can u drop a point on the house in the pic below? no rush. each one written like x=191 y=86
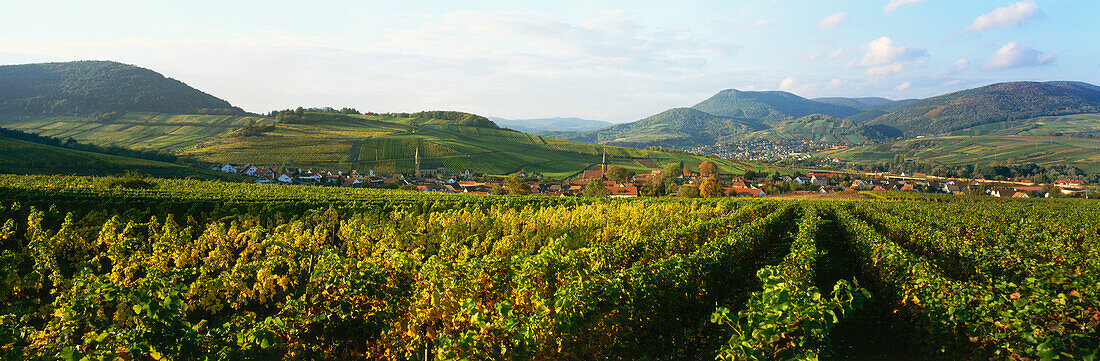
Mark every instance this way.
x=466 y=173
x=247 y=169
x=431 y=169
x=745 y=192
x=352 y=180
x=309 y=177
x=908 y=187
x=1072 y=183
x=521 y=174
x=623 y=191
x=592 y=174
x=951 y=189
x=819 y=180
x=803 y=180
x=1019 y=195
x=264 y=172
x=224 y=168
x=1002 y=192
x=285 y=178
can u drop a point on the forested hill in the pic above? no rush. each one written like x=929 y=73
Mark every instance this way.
x=768 y=106
x=96 y=87
x=993 y=103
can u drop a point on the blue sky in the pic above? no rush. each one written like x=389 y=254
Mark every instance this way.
x=609 y=60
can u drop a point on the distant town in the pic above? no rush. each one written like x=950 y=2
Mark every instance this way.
x=679 y=180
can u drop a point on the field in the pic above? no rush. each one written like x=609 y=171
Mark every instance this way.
x=207 y=270
x=384 y=144
x=22 y=157
x=1029 y=141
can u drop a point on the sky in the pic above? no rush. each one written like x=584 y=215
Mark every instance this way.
x=617 y=61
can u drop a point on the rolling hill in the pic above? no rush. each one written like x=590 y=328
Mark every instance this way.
x=768 y=106
x=1052 y=140
x=679 y=127
x=24 y=157
x=990 y=104
x=95 y=87
x=556 y=124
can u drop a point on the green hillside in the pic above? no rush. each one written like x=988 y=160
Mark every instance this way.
x=139 y=130
x=94 y=87
x=867 y=104
x=768 y=106
x=23 y=157
x=383 y=142
x=388 y=144
x=679 y=127
x=1056 y=140
x=993 y=103
x=820 y=127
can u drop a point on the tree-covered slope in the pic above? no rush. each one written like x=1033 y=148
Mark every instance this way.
x=768 y=106
x=94 y=87
x=868 y=104
x=821 y=127
x=679 y=127
x=993 y=103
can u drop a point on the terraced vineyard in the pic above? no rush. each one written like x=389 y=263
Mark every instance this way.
x=343 y=142
x=204 y=270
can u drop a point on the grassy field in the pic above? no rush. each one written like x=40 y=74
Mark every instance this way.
x=1029 y=141
x=22 y=157
x=167 y=132
x=381 y=143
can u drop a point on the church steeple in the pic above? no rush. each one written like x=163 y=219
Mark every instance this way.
x=604 y=161
x=417 y=170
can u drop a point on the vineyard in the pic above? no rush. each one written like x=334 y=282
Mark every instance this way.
x=192 y=270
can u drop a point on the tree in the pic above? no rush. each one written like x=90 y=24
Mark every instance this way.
x=498 y=191
x=674 y=170
x=516 y=186
x=595 y=188
x=708 y=168
x=688 y=191
x=712 y=188
x=750 y=174
x=619 y=174
x=655 y=187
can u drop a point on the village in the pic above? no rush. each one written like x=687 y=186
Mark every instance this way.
x=615 y=182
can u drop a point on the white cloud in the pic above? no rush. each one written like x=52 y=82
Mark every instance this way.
x=882 y=51
x=1015 y=55
x=787 y=84
x=895 y=4
x=903 y=86
x=1006 y=16
x=500 y=64
x=884 y=58
x=832 y=21
x=812 y=56
x=836 y=54
x=962 y=64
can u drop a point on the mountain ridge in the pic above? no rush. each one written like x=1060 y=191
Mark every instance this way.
x=93 y=87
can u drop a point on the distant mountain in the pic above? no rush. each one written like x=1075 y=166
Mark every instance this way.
x=768 y=106
x=94 y=87
x=993 y=103
x=679 y=127
x=533 y=126
x=869 y=103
